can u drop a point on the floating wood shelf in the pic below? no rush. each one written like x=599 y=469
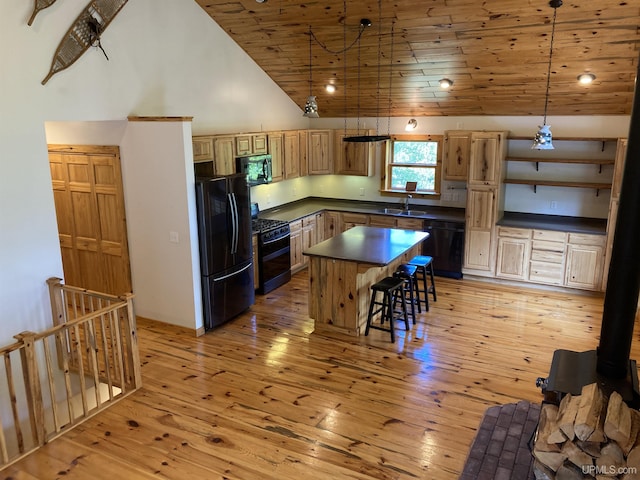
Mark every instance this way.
x=556 y=183
x=586 y=161
x=571 y=139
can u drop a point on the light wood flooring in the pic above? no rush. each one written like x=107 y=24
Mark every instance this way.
x=263 y=397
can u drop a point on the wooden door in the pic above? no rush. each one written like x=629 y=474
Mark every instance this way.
x=457 y=149
x=89 y=201
x=291 y=154
x=276 y=150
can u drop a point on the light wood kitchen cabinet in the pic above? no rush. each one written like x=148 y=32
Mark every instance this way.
x=513 y=253
x=291 y=154
x=614 y=203
x=488 y=150
x=224 y=155
x=547 y=259
x=320 y=152
x=276 y=150
x=457 y=150
x=309 y=237
x=251 y=144
x=202 y=148
x=320 y=227
x=350 y=220
x=479 y=236
x=353 y=158
x=384 y=221
x=303 y=142
x=297 y=260
x=584 y=261
x=332 y=224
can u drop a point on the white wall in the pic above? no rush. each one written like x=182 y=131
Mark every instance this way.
x=166 y=58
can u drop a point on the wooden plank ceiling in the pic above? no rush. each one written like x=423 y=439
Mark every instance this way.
x=495 y=51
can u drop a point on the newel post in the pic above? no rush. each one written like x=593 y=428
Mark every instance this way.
x=32 y=385
x=55 y=296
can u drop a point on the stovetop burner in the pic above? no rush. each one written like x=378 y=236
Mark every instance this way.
x=262 y=225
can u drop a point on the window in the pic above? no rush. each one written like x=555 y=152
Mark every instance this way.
x=414 y=158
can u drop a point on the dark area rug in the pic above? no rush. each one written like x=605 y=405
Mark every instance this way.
x=500 y=450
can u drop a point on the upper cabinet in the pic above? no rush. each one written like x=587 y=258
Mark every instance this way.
x=487 y=152
x=291 y=154
x=353 y=158
x=457 y=149
x=202 y=148
x=224 y=155
x=320 y=152
x=251 y=144
x=276 y=150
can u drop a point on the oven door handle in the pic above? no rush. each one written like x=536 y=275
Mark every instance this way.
x=268 y=242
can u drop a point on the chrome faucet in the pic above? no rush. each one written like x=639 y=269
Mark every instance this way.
x=406 y=202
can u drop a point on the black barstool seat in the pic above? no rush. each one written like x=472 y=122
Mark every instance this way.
x=411 y=295
x=391 y=288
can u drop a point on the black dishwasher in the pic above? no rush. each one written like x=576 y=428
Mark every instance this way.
x=446 y=246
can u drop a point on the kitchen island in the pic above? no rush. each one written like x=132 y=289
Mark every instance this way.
x=343 y=268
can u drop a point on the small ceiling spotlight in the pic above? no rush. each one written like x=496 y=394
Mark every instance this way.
x=330 y=88
x=261 y=1
x=586 y=78
x=446 y=83
x=411 y=125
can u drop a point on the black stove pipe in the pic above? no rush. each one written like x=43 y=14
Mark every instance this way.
x=623 y=284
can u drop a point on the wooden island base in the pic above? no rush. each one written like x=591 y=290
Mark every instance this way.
x=339 y=291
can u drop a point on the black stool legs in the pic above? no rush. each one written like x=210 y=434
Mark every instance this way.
x=391 y=288
x=424 y=264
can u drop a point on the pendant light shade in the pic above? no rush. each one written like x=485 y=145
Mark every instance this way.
x=543 y=138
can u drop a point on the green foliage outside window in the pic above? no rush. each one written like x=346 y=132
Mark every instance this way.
x=414 y=161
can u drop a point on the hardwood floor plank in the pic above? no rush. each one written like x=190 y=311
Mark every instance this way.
x=263 y=397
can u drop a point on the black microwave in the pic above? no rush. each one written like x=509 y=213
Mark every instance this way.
x=257 y=168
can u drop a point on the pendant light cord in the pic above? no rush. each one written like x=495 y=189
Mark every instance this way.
x=310 y=57
x=546 y=97
x=393 y=23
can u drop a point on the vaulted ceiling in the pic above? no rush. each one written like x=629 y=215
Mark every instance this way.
x=495 y=51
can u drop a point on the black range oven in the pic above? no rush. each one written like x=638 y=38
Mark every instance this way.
x=274 y=253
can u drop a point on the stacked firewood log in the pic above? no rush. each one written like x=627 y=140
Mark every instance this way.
x=588 y=436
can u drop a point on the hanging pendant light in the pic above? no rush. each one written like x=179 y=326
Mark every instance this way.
x=377 y=137
x=543 y=138
x=311 y=107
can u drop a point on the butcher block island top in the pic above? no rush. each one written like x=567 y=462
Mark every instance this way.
x=343 y=268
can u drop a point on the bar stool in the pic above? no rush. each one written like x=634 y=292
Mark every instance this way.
x=408 y=274
x=424 y=264
x=391 y=288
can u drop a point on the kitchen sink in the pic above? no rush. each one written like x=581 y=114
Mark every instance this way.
x=391 y=211
x=413 y=213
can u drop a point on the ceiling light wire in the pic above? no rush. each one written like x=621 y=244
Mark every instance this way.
x=379 y=55
x=393 y=23
x=553 y=32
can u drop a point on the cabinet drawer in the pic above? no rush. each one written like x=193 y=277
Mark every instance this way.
x=382 y=221
x=358 y=218
x=549 y=235
x=547 y=246
x=587 y=239
x=309 y=221
x=546 y=272
x=295 y=226
x=547 y=256
x=514 y=232
x=410 y=223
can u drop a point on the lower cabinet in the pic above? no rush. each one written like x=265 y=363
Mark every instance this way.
x=304 y=235
x=295 y=239
x=585 y=258
x=256 y=267
x=550 y=257
x=513 y=253
x=350 y=220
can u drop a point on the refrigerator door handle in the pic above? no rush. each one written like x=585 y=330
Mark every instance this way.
x=218 y=279
x=234 y=222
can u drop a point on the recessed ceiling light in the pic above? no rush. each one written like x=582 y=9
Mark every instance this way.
x=586 y=78
x=330 y=88
x=445 y=83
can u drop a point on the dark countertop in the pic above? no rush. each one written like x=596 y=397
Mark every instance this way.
x=378 y=246
x=597 y=226
x=308 y=206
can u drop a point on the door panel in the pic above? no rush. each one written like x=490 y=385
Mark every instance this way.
x=89 y=201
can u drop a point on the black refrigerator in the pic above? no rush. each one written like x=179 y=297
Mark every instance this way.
x=226 y=256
